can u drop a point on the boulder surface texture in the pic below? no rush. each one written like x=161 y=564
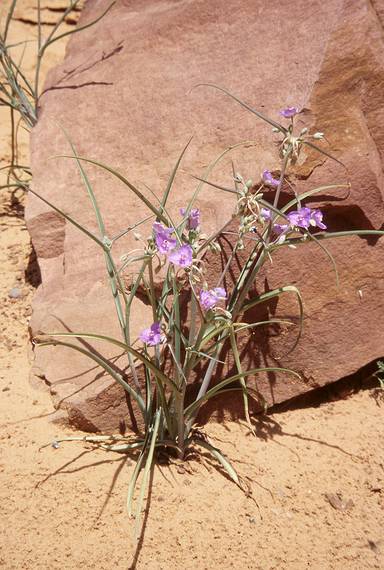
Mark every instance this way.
x=123 y=94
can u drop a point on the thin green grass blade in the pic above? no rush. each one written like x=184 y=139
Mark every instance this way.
x=322 y=151
x=130 y=228
x=264 y=297
x=218 y=186
x=220 y=458
x=241 y=380
x=331 y=235
x=176 y=328
x=148 y=467
x=312 y=192
x=257 y=113
x=70 y=219
x=238 y=327
x=116 y=342
x=329 y=255
x=172 y=177
x=148 y=393
x=87 y=185
x=8 y=20
x=212 y=166
x=126 y=182
x=192 y=408
x=123 y=447
x=79 y=29
x=72 y=5
x=113 y=275
x=100 y=361
x=134 y=477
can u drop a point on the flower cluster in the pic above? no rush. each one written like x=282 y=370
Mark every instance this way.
x=302 y=218
x=180 y=253
x=166 y=244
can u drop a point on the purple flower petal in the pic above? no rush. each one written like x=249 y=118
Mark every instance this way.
x=181 y=256
x=211 y=297
x=165 y=243
x=300 y=218
x=280 y=229
x=317 y=219
x=160 y=229
x=305 y=217
x=193 y=221
x=269 y=180
x=152 y=336
x=289 y=112
x=266 y=214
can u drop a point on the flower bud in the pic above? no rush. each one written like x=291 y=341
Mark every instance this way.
x=318 y=136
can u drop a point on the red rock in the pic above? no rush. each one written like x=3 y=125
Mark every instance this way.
x=123 y=94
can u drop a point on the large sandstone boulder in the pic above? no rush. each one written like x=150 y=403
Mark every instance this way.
x=123 y=95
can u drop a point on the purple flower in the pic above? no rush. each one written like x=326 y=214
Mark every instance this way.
x=165 y=243
x=269 y=180
x=300 y=218
x=181 y=256
x=211 y=297
x=280 y=229
x=317 y=219
x=265 y=214
x=152 y=336
x=305 y=217
x=193 y=221
x=289 y=112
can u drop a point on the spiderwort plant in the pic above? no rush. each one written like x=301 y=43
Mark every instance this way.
x=171 y=350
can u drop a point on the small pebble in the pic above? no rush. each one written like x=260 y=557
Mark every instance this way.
x=15 y=293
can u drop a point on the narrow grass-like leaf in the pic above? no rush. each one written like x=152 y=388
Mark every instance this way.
x=116 y=342
x=236 y=355
x=148 y=467
x=218 y=186
x=328 y=254
x=70 y=219
x=264 y=297
x=322 y=151
x=220 y=458
x=212 y=166
x=41 y=341
x=173 y=174
x=113 y=275
x=120 y=177
x=80 y=28
x=134 y=477
x=192 y=408
x=309 y=193
x=257 y=113
x=8 y=20
x=331 y=235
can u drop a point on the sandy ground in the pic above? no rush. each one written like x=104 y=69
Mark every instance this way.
x=316 y=474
